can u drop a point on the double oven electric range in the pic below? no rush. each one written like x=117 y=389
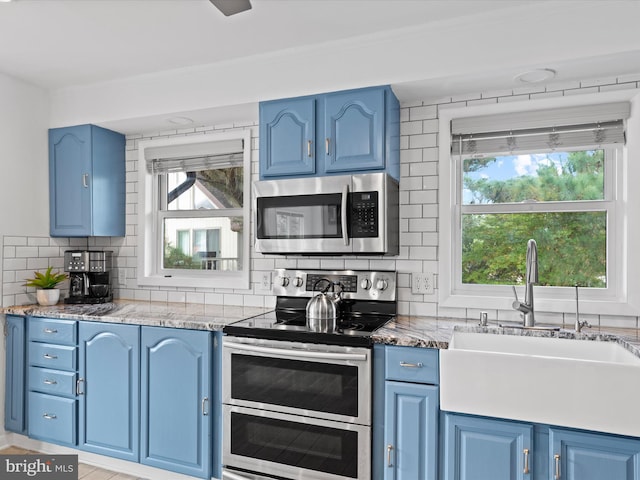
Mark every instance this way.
x=297 y=401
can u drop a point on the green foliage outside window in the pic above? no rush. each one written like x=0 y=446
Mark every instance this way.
x=571 y=245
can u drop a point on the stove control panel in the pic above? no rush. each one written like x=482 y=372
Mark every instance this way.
x=379 y=285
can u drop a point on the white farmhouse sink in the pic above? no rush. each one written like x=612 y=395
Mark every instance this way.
x=593 y=385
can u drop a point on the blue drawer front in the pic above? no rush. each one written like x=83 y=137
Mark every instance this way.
x=55 y=382
x=57 y=357
x=52 y=418
x=411 y=364
x=53 y=330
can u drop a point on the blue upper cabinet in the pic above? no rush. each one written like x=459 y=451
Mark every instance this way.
x=287 y=137
x=86 y=182
x=331 y=134
x=592 y=456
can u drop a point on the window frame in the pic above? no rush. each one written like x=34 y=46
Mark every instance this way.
x=150 y=218
x=616 y=299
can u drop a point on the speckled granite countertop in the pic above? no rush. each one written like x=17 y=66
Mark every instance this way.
x=426 y=332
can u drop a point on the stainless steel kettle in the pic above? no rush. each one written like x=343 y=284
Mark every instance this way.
x=323 y=309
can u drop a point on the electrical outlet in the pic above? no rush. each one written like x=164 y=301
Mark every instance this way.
x=422 y=283
x=265 y=281
x=122 y=276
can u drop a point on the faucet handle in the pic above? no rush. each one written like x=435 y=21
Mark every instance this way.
x=515 y=294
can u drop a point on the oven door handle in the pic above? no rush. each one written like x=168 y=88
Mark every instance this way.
x=226 y=475
x=359 y=357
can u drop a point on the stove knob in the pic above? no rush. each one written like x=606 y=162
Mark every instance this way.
x=365 y=284
x=381 y=284
x=297 y=282
x=284 y=281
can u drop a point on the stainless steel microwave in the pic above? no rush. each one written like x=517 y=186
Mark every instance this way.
x=334 y=215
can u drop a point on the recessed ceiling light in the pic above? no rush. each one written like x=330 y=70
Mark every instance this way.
x=180 y=120
x=535 y=76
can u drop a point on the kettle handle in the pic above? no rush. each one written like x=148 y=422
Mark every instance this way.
x=330 y=285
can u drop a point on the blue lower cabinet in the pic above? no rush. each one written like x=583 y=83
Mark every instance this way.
x=411 y=431
x=487 y=449
x=14 y=400
x=592 y=456
x=52 y=418
x=176 y=404
x=108 y=389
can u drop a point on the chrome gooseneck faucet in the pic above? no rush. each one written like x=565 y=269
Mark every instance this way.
x=526 y=307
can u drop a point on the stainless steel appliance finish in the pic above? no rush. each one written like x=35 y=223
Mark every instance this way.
x=296 y=401
x=89 y=276
x=335 y=215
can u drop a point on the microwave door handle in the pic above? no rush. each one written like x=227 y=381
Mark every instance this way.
x=345 y=200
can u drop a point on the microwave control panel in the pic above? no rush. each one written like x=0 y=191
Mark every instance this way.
x=364 y=214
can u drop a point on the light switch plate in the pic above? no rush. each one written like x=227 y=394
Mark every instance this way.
x=422 y=283
x=122 y=276
x=264 y=283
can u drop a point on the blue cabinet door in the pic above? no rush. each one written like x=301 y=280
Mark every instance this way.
x=411 y=431
x=287 y=137
x=486 y=449
x=109 y=418
x=354 y=130
x=591 y=456
x=176 y=400
x=69 y=181
x=15 y=374
x=86 y=182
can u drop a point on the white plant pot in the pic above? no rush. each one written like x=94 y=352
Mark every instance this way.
x=49 y=296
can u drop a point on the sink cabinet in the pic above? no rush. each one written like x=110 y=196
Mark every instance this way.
x=330 y=134
x=577 y=455
x=86 y=182
x=109 y=369
x=407 y=446
x=486 y=449
x=14 y=400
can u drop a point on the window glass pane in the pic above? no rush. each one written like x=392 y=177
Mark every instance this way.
x=571 y=248
x=554 y=176
x=217 y=243
x=205 y=189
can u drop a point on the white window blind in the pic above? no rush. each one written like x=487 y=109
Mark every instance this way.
x=541 y=130
x=194 y=157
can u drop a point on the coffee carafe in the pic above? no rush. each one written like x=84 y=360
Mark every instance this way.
x=89 y=276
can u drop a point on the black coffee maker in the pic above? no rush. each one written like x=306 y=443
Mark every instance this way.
x=89 y=276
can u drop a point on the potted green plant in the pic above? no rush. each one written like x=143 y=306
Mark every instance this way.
x=46 y=283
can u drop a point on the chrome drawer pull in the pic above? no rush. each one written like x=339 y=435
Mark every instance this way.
x=50 y=357
x=411 y=365
x=49 y=416
x=50 y=330
x=49 y=382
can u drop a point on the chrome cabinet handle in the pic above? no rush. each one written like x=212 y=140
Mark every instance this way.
x=85 y=180
x=48 y=356
x=79 y=383
x=309 y=143
x=389 y=449
x=50 y=416
x=46 y=381
x=557 y=460
x=411 y=365
x=205 y=403
x=526 y=460
x=327 y=144
x=50 y=330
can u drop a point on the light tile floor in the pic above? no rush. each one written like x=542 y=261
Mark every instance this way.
x=85 y=472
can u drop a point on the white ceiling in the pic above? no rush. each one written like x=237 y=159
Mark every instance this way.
x=62 y=45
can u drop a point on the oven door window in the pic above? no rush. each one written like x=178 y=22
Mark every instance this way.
x=300 y=445
x=315 y=386
x=300 y=216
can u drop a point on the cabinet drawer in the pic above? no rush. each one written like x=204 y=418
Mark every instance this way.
x=55 y=382
x=53 y=330
x=56 y=357
x=52 y=418
x=412 y=364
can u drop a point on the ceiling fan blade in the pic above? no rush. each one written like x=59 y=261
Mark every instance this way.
x=231 y=7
